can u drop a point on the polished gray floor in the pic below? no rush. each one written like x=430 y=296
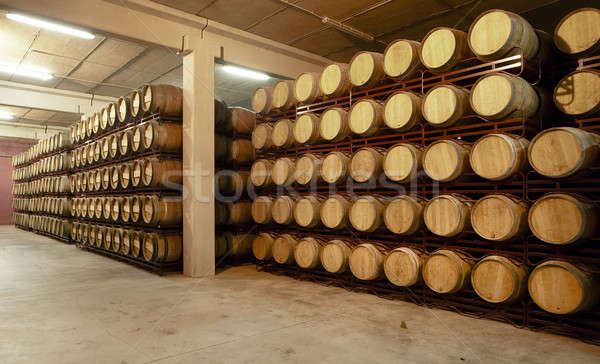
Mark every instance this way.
x=59 y=304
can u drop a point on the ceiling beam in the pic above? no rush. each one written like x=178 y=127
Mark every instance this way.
x=37 y=97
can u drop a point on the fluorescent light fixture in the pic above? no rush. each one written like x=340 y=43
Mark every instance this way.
x=238 y=71
x=50 y=26
x=19 y=71
x=5 y=115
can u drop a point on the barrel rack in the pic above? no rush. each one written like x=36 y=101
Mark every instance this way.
x=526 y=186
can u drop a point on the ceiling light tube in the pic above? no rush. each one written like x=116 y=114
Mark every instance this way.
x=50 y=26
x=238 y=71
x=5 y=115
x=18 y=71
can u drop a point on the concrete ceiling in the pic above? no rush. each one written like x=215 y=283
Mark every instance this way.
x=105 y=65
x=300 y=25
x=24 y=115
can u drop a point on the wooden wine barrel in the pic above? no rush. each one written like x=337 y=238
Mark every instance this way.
x=283 y=172
x=137 y=172
x=306 y=88
x=335 y=256
x=402 y=162
x=499 y=217
x=115 y=177
x=308 y=169
x=366 y=69
x=306 y=129
x=100 y=234
x=262 y=246
x=116 y=205
x=222 y=149
x=126 y=242
x=163 y=248
x=113 y=145
x=123 y=110
x=443 y=48
x=558 y=218
x=242 y=151
x=446 y=160
x=401 y=59
x=135 y=214
x=498 y=33
x=578 y=33
x=366 y=213
x=90 y=127
x=161 y=173
x=307 y=253
x=103 y=119
x=498 y=96
x=222 y=211
x=336 y=167
x=403 y=266
x=260 y=173
x=497 y=157
x=105 y=172
x=74 y=230
x=446 y=271
x=561 y=287
x=334 y=212
x=223 y=123
x=125 y=143
x=578 y=93
x=334 y=125
x=563 y=152
x=498 y=279
x=165 y=100
x=111 y=115
x=335 y=80
x=402 y=111
x=403 y=214
x=283 y=249
x=104 y=149
x=126 y=209
x=366 y=262
x=97 y=151
x=162 y=137
x=283 y=134
x=445 y=105
x=243 y=120
x=125 y=175
x=307 y=211
x=222 y=244
x=137 y=112
x=162 y=211
x=241 y=245
x=91 y=235
x=448 y=215
x=96 y=123
x=283 y=97
x=366 y=164
x=262 y=100
x=261 y=136
x=99 y=212
x=261 y=210
x=240 y=213
x=283 y=209
x=365 y=117
x=239 y=181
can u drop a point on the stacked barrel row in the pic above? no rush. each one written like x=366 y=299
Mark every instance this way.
x=41 y=187
x=348 y=136
x=126 y=177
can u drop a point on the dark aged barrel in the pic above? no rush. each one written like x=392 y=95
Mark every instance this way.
x=123 y=110
x=401 y=59
x=447 y=215
x=162 y=137
x=578 y=93
x=561 y=287
x=578 y=33
x=563 y=152
x=499 y=217
x=402 y=111
x=559 y=218
x=498 y=33
x=498 y=279
x=335 y=256
x=335 y=80
x=242 y=151
x=165 y=100
x=499 y=96
x=443 y=48
x=306 y=88
x=243 y=121
x=498 y=157
x=446 y=271
x=366 y=69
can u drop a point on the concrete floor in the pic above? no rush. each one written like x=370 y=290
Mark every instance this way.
x=59 y=304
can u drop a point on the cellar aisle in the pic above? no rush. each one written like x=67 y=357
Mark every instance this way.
x=62 y=304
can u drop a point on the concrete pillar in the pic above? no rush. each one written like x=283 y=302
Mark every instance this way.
x=198 y=162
